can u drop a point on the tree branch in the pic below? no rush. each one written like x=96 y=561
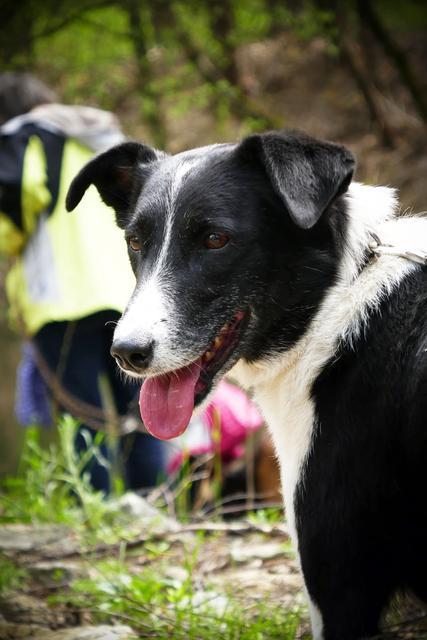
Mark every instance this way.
x=367 y=15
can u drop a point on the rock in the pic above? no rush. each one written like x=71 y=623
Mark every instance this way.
x=12 y=631
x=260 y=551
x=138 y=511
x=209 y=601
x=177 y=574
x=53 y=573
x=24 y=617
x=24 y=609
x=134 y=506
x=22 y=537
x=43 y=538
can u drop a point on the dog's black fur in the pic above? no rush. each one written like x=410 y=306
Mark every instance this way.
x=281 y=270
x=362 y=509
x=361 y=514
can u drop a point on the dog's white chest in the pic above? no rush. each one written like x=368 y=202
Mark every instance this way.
x=289 y=413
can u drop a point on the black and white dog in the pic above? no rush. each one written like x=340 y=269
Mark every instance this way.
x=260 y=256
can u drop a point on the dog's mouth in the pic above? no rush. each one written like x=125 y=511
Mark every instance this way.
x=167 y=401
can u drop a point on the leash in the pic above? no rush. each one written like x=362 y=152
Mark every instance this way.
x=380 y=249
x=94 y=417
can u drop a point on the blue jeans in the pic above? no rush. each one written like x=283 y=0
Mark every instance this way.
x=77 y=353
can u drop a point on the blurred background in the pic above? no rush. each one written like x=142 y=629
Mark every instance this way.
x=188 y=73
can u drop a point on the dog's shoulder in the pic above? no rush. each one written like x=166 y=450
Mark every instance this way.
x=379 y=366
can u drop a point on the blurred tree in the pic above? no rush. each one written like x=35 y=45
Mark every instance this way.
x=222 y=27
x=180 y=54
x=139 y=21
x=349 y=41
x=26 y=21
x=369 y=17
x=355 y=21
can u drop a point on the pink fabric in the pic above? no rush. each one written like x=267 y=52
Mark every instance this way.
x=238 y=418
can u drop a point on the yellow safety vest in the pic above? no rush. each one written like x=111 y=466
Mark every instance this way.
x=68 y=265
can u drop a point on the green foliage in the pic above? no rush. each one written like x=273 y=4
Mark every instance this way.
x=52 y=485
x=159 y=60
x=94 y=58
x=270 y=515
x=313 y=22
x=11 y=576
x=158 y=605
x=85 y=65
x=158 y=600
x=195 y=18
x=252 y=21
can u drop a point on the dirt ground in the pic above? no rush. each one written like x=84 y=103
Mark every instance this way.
x=254 y=561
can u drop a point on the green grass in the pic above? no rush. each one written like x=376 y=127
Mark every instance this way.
x=52 y=486
x=12 y=577
x=158 y=606
x=157 y=588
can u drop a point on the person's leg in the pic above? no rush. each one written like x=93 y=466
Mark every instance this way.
x=142 y=455
x=74 y=354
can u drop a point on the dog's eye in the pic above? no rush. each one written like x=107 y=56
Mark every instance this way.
x=134 y=243
x=216 y=240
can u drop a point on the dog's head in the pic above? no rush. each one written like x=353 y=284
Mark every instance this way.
x=233 y=247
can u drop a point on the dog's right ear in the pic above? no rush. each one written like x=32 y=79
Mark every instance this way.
x=307 y=174
x=117 y=174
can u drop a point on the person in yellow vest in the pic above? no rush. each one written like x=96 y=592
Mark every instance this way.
x=71 y=278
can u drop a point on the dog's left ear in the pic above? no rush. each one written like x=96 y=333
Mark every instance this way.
x=117 y=174
x=306 y=173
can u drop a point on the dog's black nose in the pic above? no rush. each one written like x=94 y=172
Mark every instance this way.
x=132 y=356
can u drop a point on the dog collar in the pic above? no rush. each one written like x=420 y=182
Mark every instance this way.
x=379 y=248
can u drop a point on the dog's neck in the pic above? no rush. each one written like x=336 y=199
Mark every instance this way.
x=282 y=384
x=360 y=285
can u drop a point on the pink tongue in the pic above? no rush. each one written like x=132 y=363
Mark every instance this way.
x=167 y=402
